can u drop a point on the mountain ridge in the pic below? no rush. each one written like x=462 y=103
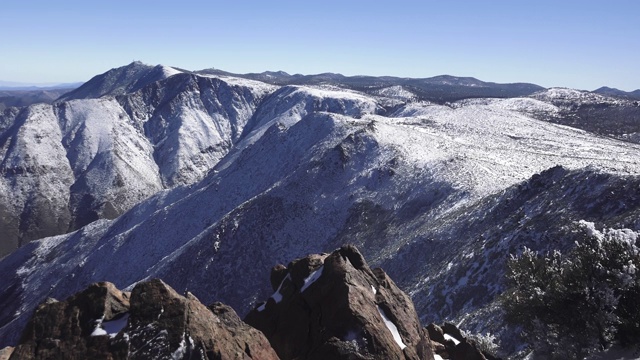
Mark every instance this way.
x=256 y=174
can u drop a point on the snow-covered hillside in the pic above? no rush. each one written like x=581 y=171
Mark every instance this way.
x=421 y=192
x=122 y=80
x=70 y=163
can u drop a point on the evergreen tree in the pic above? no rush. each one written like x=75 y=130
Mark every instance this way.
x=570 y=305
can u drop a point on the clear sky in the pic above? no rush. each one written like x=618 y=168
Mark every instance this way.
x=581 y=44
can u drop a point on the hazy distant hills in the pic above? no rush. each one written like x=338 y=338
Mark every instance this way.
x=20 y=98
x=17 y=86
x=18 y=94
x=619 y=93
x=438 y=89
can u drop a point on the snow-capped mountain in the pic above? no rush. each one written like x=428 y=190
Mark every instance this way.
x=438 y=194
x=122 y=80
x=70 y=163
x=219 y=177
x=440 y=89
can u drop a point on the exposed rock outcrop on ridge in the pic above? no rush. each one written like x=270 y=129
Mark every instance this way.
x=335 y=307
x=153 y=322
x=326 y=306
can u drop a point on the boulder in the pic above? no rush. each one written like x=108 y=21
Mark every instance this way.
x=333 y=306
x=152 y=322
x=64 y=329
x=165 y=324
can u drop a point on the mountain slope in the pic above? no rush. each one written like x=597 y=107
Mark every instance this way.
x=618 y=93
x=70 y=163
x=401 y=188
x=601 y=114
x=120 y=81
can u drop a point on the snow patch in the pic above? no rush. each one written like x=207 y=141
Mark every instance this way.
x=181 y=351
x=392 y=327
x=449 y=337
x=111 y=327
x=168 y=71
x=277 y=296
x=312 y=278
x=98 y=331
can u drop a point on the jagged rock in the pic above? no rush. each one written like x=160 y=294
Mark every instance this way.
x=335 y=307
x=156 y=322
x=436 y=333
x=63 y=329
x=184 y=328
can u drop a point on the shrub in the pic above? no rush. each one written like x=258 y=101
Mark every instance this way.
x=487 y=343
x=570 y=305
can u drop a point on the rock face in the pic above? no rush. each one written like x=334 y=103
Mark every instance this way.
x=335 y=307
x=152 y=322
x=65 y=329
x=327 y=306
x=85 y=158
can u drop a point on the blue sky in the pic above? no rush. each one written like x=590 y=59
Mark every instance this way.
x=580 y=44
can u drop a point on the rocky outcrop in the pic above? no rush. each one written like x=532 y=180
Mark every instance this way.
x=326 y=306
x=333 y=306
x=164 y=324
x=152 y=322
x=449 y=342
x=64 y=329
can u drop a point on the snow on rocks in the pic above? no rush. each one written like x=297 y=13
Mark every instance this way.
x=187 y=329
x=313 y=277
x=392 y=328
x=340 y=305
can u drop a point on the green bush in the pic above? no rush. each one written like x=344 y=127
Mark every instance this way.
x=569 y=305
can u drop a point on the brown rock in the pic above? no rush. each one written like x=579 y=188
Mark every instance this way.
x=183 y=327
x=102 y=323
x=334 y=307
x=63 y=329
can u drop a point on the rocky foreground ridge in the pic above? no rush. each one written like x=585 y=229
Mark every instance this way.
x=326 y=306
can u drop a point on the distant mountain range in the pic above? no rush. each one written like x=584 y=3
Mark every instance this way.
x=20 y=95
x=17 y=86
x=440 y=89
x=615 y=92
x=207 y=179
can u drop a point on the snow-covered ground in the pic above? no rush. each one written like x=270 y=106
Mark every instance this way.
x=272 y=173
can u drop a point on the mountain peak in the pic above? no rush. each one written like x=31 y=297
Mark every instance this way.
x=609 y=91
x=121 y=80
